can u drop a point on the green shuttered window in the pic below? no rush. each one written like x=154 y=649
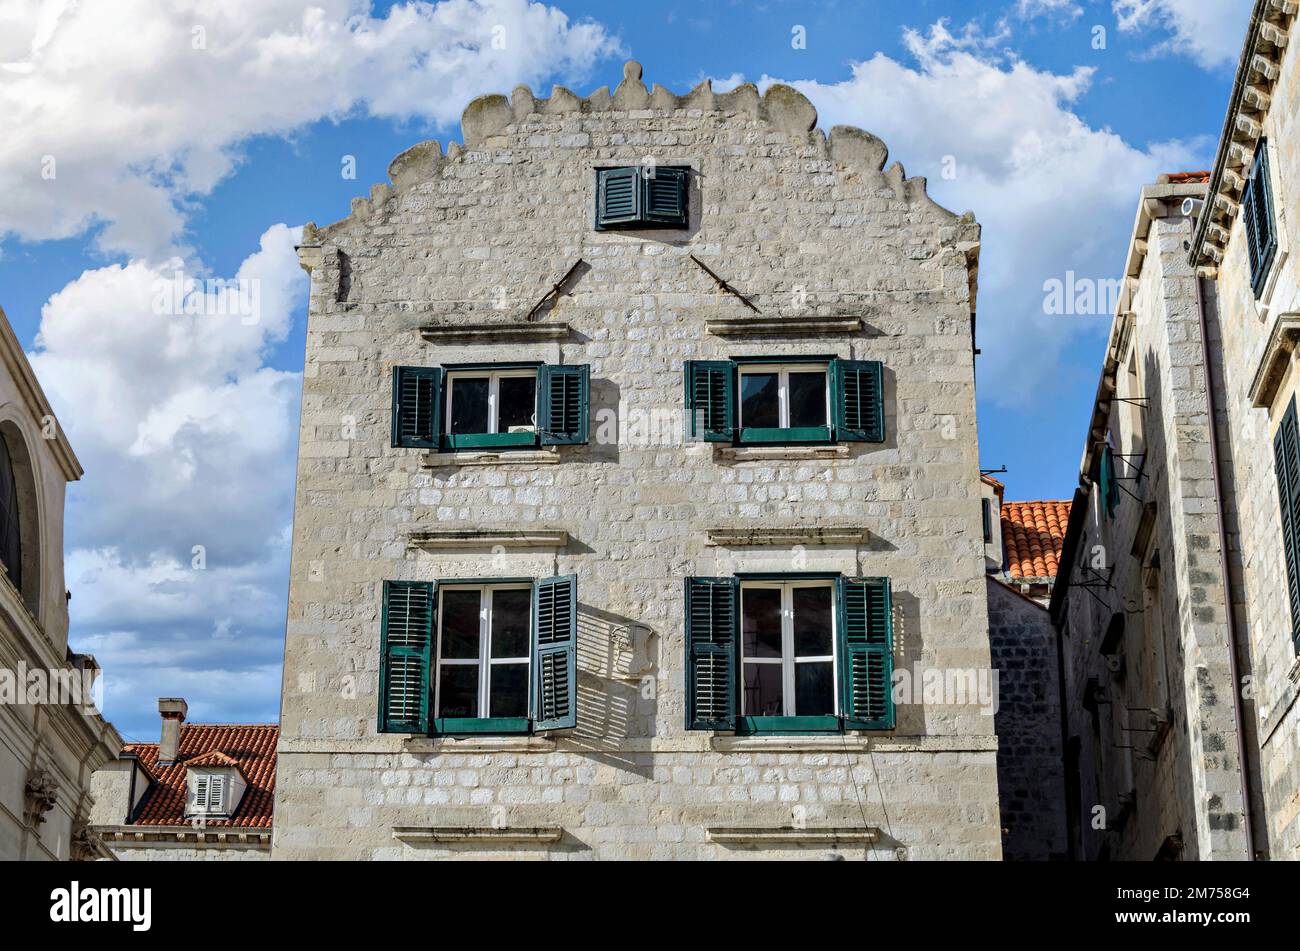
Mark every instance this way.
x=1259 y=220
x=640 y=197
x=506 y=406
x=761 y=656
x=784 y=401
x=462 y=657
x=1286 y=460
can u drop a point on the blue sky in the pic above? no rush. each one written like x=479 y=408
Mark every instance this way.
x=203 y=145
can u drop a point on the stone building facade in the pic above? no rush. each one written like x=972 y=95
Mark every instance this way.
x=1025 y=547
x=51 y=734
x=1245 y=247
x=748 y=489
x=1155 y=748
x=203 y=792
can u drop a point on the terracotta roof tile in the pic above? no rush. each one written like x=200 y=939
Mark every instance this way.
x=1188 y=178
x=1032 y=534
x=250 y=748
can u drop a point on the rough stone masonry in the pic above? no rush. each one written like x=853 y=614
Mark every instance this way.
x=445 y=266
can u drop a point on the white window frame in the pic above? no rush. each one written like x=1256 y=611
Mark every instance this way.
x=783 y=371
x=485 y=660
x=494 y=395
x=787 y=660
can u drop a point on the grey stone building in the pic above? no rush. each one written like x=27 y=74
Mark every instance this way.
x=52 y=736
x=1157 y=761
x=1023 y=542
x=638 y=449
x=1244 y=248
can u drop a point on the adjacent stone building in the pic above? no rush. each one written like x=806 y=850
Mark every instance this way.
x=638 y=449
x=203 y=792
x=1024 y=544
x=52 y=736
x=1157 y=762
x=1244 y=247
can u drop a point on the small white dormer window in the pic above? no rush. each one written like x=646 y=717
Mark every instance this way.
x=210 y=794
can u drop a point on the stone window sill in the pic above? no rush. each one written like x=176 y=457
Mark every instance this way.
x=491 y=457
x=475 y=834
x=478 y=744
x=746 y=835
x=759 y=453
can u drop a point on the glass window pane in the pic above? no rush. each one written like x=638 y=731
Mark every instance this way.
x=518 y=398
x=812 y=622
x=460 y=619
x=760 y=624
x=758 y=400
x=508 y=693
x=814 y=689
x=762 y=690
x=458 y=690
x=808 y=398
x=511 y=614
x=469 y=405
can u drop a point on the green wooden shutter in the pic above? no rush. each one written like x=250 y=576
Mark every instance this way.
x=710 y=400
x=1286 y=463
x=667 y=195
x=1258 y=219
x=1107 y=482
x=555 y=653
x=618 y=196
x=858 y=405
x=405 y=650
x=711 y=625
x=563 y=404
x=417 y=407
x=866 y=653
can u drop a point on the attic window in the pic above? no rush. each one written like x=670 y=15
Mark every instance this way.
x=210 y=795
x=642 y=196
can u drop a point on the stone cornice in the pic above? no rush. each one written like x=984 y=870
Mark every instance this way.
x=758 y=536
x=1282 y=340
x=448 y=331
x=15 y=361
x=1271 y=23
x=452 y=539
x=791 y=835
x=461 y=835
x=133 y=835
x=777 y=326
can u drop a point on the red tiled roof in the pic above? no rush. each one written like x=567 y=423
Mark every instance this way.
x=249 y=748
x=1188 y=178
x=1032 y=534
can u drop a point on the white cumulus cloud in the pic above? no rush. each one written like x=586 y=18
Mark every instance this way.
x=1210 y=32
x=121 y=114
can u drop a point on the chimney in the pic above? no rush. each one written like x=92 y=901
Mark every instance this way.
x=173 y=710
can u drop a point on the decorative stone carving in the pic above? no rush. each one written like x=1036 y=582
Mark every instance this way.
x=39 y=797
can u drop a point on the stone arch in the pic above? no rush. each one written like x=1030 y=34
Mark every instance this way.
x=25 y=504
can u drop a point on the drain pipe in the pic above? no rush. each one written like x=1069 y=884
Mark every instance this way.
x=1192 y=209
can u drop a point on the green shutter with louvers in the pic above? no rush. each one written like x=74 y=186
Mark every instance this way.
x=666 y=196
x=1259 y=221
x=711 y=624
x=1108 y=484
x=858 y=408
x=618 y=197
x=1286 y=463
x=710 y=400
x=405 y=650
x=555 y=653
x=417 y=407
x=563 y=403
x=866 y=653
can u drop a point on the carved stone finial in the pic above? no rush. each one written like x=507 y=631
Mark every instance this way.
x=632 y=71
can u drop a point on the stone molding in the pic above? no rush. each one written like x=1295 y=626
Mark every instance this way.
x=759 y=536
x=780 y=453
x=836 y=835
x=1282 y=340
x=776 y=326
x=447 y=332
x=474 y=834
x=453 y=539
x=491 y=457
